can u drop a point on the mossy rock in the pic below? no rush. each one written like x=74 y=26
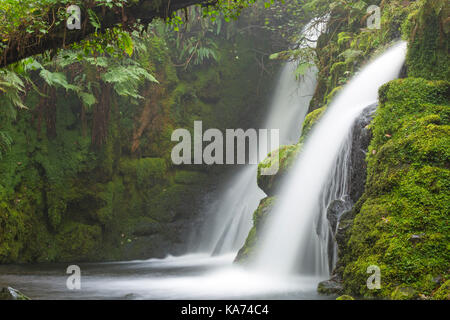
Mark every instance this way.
x=78 y=242
x=282 y=158
x=404 y=293
x=428 y=31
x=147 y=171
x=332 y=286
x=401 y=221
x=260 y=214
x=310 y=120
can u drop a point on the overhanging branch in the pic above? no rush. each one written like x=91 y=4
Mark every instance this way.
x=58 y=36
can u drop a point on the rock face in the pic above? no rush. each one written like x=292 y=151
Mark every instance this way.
x=335 y=209
x=360 y=144
x=339 y=213
x=9 y=293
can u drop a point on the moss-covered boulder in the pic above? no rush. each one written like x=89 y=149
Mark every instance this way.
x=331 y=286
x=260 y=214
x=283 y=158
x=401 y=221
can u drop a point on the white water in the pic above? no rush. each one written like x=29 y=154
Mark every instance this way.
x=231 y=215
x=290 y=241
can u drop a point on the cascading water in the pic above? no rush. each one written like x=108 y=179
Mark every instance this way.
x=231 y=216
x=295 y=235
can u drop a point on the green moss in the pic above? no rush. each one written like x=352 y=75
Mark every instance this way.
x=310 y=120
x=282 y=158
x=428 y=34
x=403 y=293
x=443 y=293
x=189 y=177
x=260 y=214
x=77 y=241
x=401 y=224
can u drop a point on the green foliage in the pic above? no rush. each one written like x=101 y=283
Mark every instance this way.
x=443 y=293
x=189 y=177
x=428 y=32
x=78 y=241
x=126 y=79
x=5 y=143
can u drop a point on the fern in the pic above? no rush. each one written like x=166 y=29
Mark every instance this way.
x=5 y=143
x=127 y=78
x=57 y=79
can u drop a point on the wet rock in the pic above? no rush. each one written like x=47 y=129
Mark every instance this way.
x=9 y=293
x=335 y=209
x=331 y=286
x=361 y=137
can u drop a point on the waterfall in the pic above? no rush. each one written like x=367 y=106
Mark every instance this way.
x=230 y=217
x=295 y=236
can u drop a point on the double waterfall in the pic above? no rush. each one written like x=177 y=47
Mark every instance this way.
x=230 y=217
x=295 y=239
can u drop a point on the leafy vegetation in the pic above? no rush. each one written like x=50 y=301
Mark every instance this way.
x=85 y=138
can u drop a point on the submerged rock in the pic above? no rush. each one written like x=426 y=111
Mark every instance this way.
x=8 y=293
x=331 y=286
